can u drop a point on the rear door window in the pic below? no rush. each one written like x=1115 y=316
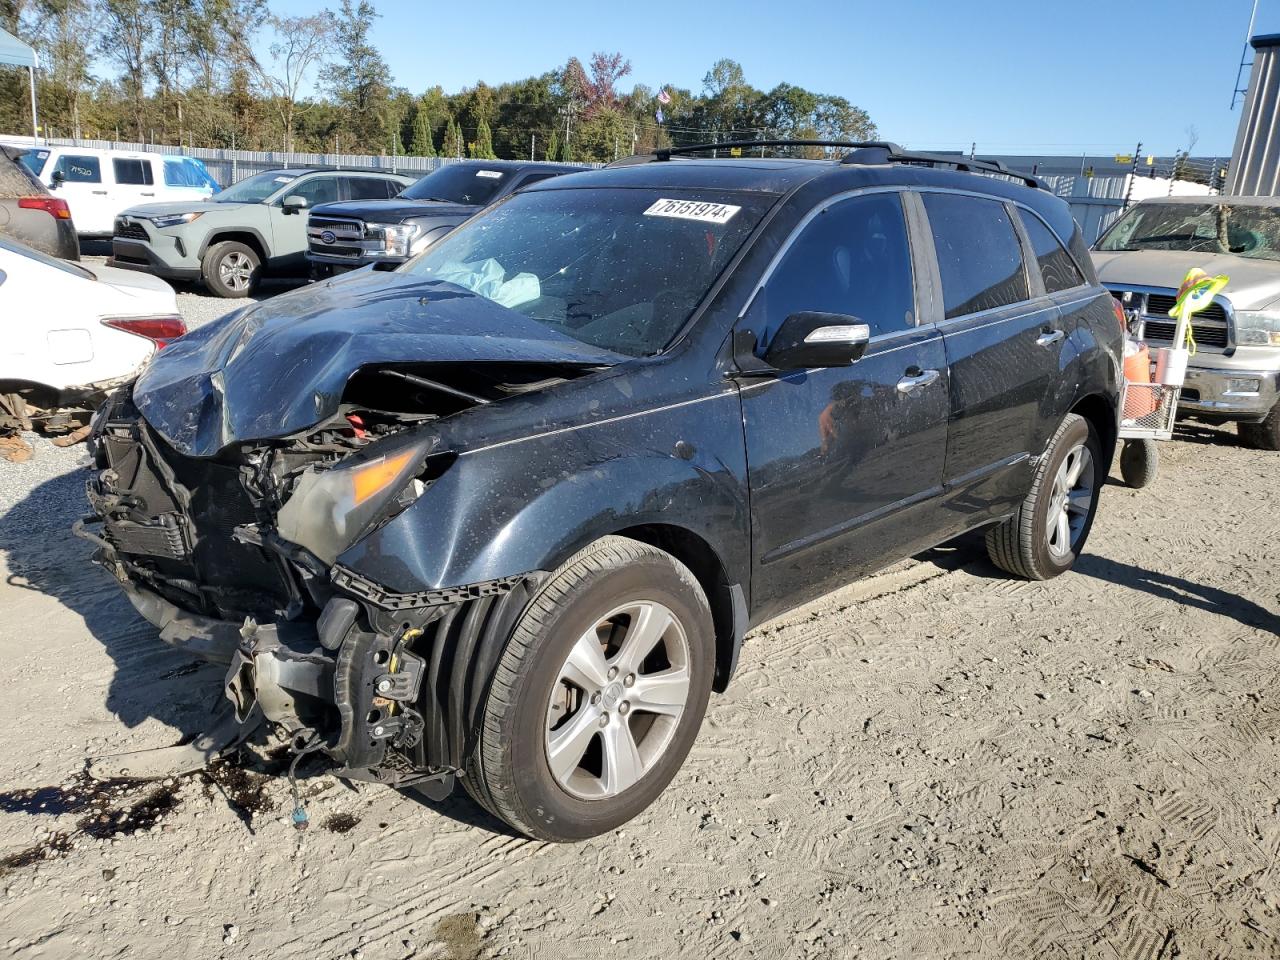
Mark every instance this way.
x=852 y=258
x=187 y=172
x=369 y=188
x=79 y=169
x=321 y=189
x=132 y=172
x=1056 y=266
x=979 y=256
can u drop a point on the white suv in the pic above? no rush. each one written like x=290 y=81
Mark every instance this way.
x=98 y=184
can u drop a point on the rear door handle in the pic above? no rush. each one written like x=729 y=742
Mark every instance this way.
x=99 y=193
x=151 y=194
x=910 y=383
x=1049 y=338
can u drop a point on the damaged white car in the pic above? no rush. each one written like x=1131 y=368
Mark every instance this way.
x=72 y=332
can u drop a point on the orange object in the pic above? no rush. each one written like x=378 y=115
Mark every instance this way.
x=1137 y=369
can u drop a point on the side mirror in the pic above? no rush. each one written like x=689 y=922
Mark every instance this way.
x=813 y=339
x=293 y=204
x=58 y=178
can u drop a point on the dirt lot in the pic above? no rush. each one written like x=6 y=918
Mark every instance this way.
x=936 y=762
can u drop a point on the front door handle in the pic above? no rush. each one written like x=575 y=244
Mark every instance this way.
x=1049 y=338
x=911 y=383
x=99 y=193
x=151 y=194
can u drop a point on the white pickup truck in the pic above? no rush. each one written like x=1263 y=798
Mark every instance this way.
x=1235 y=373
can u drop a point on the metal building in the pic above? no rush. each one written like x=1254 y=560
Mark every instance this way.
x=1255 y=159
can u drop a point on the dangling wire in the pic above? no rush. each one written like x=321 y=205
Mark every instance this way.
x=300 y=819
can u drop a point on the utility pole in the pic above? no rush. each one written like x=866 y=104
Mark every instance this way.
x=1133 y=172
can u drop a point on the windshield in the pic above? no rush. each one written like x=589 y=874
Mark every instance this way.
x=618 y=269
x=22 y=250
x=1210 y=227
x=473 y=184
x=254 y=189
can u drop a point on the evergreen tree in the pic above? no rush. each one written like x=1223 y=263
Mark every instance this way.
x=452 y=146
x=484 y=143
x=423 y=145
x=566 y=152
x=553 y=146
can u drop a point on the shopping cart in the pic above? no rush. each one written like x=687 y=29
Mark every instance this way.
x=1149 y=409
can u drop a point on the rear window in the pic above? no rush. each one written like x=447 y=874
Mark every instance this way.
x=474 y=184
x=34 y=160
x=1057 y=268
x=187 y=172
x=79 y=169
x=979 y=255
x=618 y=269
x=16 y=180
x=132 y=173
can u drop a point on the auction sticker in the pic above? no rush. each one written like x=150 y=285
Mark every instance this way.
x=693 y=210
x=491 y=174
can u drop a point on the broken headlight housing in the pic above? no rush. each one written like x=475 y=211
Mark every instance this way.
x=330 y=508
x=1258 y=328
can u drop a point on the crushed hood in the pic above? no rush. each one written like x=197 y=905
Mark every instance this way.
x=279 y=367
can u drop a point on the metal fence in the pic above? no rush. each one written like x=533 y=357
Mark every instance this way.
x=1095 y=201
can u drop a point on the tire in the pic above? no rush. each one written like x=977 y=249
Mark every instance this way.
x=1023 y=545
x=530 y=700
x=231 y=269
x=1264 y=435
x=1139 y=463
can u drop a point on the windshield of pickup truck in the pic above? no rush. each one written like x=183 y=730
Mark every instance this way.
x=254 y=189
x=473 y=184
x=1242 y=230
x=618 y=269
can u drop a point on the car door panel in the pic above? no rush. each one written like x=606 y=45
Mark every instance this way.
x=86 y=189
x=845 y=467
x=289 y=231
x=845 y=463
x=1003 y=344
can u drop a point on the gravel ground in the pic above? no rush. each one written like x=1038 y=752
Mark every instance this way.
x=937 y=761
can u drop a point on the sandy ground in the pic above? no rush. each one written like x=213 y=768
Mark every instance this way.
x=937 y=762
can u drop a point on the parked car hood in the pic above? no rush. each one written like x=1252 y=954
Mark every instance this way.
x=1254 y=283
x=170 y=207
x=393 y=211
x=279 y=367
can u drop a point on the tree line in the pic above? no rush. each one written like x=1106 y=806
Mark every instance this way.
x=232 y=73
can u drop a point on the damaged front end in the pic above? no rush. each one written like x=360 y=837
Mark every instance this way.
x=234 y=559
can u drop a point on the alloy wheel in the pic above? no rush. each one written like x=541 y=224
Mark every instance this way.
x=236 y=271
x=1070 y=502
x=618 y=700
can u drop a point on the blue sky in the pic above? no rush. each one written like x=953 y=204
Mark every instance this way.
x=1030 y=77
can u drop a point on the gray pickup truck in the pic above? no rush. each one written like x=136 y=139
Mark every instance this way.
x=1235 y=373
x=344 y=236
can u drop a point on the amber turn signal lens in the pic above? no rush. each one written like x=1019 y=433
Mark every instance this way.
x=372 y=478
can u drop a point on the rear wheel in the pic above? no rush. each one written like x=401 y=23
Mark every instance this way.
x=1051 y=526
x=598 y=696
x=231 y=269
x=1264 y=435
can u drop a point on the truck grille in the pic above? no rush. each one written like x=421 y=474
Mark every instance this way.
x=335 y=236
x=1211 y=327
x=131 y=230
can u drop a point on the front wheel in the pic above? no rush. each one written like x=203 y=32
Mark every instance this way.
x=1052 y=524
x=231 y=269
x=598 y=695
x=1264 y=435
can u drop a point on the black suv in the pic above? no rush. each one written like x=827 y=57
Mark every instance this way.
x=343 y=236
x=505 y=514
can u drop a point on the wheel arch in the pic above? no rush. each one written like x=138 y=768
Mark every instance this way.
x=249 y=237
x=727 y=600
x=1101 y=413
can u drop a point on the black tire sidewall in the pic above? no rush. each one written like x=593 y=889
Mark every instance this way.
x=214 y=256
x=540 y=800
x=1139 y=462
x=1078 y=430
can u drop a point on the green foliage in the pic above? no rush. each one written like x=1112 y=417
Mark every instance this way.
x=482 y=147
x=423 y=144
x=452 y=146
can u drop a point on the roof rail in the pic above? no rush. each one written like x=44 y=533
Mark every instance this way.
x=861 y=152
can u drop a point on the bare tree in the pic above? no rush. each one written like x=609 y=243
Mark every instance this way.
x=302 y=45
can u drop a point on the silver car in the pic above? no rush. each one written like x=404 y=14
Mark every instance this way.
x=1235 y=373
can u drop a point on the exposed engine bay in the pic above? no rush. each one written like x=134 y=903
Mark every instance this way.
x=233 y=558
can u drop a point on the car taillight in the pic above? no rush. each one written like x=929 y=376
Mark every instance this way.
x=56 y=207
x=160 y=330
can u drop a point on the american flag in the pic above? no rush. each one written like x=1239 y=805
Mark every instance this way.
x=663 y=96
